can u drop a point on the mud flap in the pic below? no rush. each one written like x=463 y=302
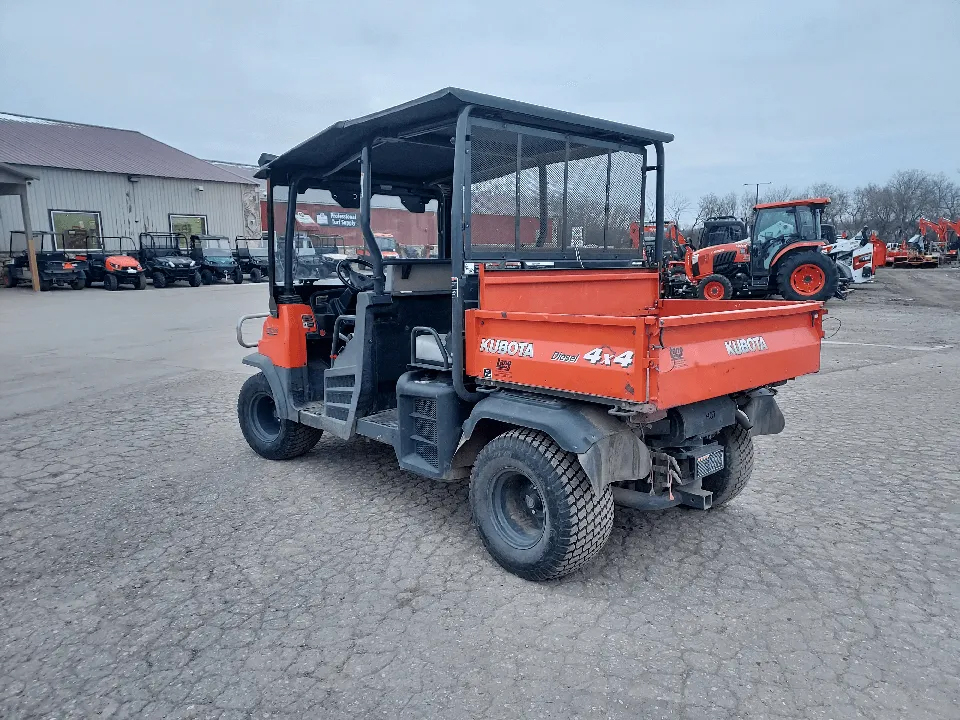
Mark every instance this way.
x=764 y=413
x=618 y=457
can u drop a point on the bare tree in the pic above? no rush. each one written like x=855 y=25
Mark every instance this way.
x=676 y=206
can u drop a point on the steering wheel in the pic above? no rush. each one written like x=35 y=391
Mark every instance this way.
x=351 y=278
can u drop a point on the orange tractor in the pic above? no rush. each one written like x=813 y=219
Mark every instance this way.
x=783 y=255
x=548 y=371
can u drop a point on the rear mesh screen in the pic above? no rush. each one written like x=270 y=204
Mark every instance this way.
x=551 y=197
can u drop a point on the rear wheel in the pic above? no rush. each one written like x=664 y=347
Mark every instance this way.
x=808 y=275
x=715 y=287
x=270 y=436
x=237 y=276
x=141 y=283
x=110 y=282
x=737 y=465
x=11 y=281
x=535 y=508
x=159 y=279
x=255 y=275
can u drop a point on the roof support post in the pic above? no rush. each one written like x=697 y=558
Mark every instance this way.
x=28 y=230
x=658 y=246
x=366 y=190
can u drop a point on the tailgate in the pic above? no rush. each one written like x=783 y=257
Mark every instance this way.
x=705 y=352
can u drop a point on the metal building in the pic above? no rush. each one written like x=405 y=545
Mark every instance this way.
x=113 y=182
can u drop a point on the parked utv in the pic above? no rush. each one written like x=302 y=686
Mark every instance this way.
x=535 y=356
x=251 y=256
x=105 y=260
x=164 y=257
x=54 y=267
x=214 y=255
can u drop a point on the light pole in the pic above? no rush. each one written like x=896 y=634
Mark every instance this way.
x=757 y=202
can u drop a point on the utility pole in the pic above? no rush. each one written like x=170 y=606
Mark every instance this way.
x=757 y=202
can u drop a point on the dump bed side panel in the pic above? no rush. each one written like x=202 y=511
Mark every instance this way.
x=725 y=352
x=590 y=356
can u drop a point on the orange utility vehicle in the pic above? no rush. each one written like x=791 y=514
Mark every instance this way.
x=911 y=252
x=550 y=373
x=783 y=256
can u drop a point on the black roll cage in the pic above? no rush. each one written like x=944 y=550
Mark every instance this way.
x=453 y=206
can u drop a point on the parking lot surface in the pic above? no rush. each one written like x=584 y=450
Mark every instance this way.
x=152 y=566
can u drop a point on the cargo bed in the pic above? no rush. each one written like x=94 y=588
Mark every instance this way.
x=667 y=353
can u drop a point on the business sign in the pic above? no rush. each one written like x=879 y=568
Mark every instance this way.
x=337 y=219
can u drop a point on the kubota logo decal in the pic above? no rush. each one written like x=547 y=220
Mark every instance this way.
x=506 y=347
x=745 y=345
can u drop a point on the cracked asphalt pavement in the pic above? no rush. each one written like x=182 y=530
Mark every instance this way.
x=151 y=566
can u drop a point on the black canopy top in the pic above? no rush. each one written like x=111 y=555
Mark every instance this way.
x=429 y=122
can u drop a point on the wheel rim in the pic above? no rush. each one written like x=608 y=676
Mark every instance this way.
x=713 y=290
x=263 y=417
x=808 y=279
x=518 y=510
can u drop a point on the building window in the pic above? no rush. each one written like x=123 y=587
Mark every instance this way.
x=188 y=225
x=73 y=227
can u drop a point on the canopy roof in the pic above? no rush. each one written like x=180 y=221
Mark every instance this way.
x=429 y=122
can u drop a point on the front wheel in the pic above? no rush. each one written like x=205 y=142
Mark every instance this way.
x=159 y=279
x=11 y=280
x=237 y=276
x=715 y=287
x=270 y=436
x=535 y=508
x=110 y=282
x=206 y=277
x=45 y=285
x=195 y=279
x=737 y=465
x=808 y=275
x=141 y=282
x=255 y=275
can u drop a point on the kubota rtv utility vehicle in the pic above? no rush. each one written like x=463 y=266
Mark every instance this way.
x=783 y=256
x=550 y=372
x=164 y=257
x=214 y=255
x=55 y=268
x=108 y=260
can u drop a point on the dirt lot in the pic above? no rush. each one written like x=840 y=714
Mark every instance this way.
x=152 y=566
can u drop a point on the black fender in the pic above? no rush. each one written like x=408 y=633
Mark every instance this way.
x=275 y=376
x=763 y=413
x=608 y=450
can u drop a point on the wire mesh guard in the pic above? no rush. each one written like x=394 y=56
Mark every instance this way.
x=552 y=197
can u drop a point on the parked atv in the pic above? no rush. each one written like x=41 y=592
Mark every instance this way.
x=54 y=267
x=106 y=261
x=215 y=257
x=251 y=256
x=164 y=257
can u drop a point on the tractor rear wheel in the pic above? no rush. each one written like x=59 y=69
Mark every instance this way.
x=159 y=279
x=110 y=282
x=535 y=508
x=270 y=436
x=737 y=465
x=808 y=275
x=715 y=287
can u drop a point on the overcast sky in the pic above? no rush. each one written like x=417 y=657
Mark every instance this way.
x=793 y=93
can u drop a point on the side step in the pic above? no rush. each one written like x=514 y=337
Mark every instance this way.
x=382 y=426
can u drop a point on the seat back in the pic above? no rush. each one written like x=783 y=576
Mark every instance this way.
x=418 y=277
